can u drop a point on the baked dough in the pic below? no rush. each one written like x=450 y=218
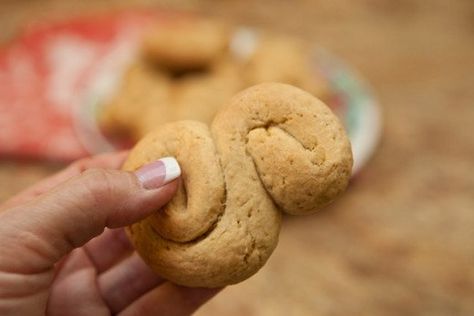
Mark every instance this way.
x=186 y=44
x=272 y=148
x=287 y=60
x=187 y=71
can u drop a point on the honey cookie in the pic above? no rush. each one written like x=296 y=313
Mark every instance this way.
x=196 y=96
x=199 y=97
x=287 y=60
x=272 y=148
x=142 y=91
x=186 y=44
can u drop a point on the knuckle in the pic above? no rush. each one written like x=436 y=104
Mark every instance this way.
x=99 y=185
x=81 y=165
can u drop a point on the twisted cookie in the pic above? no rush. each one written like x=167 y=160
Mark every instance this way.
x=273 y=147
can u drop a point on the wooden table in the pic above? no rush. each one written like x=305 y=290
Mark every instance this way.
x=401 y=240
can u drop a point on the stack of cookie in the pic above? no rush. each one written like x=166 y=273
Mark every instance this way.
x=189 y=67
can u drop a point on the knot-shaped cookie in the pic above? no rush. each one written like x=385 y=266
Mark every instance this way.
x=272 y=148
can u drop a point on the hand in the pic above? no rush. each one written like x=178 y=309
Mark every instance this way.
x=63 y=250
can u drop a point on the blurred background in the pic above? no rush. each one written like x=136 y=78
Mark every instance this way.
x=400 y=241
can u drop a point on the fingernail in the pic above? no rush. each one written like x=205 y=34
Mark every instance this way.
x=158 y=173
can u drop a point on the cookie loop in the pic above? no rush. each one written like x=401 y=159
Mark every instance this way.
x=200 y=197
x=273 y=147
x=296 y=144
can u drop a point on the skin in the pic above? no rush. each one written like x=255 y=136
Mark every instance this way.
x=63 y=249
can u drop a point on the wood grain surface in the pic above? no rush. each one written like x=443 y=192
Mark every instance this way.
x=401 y=240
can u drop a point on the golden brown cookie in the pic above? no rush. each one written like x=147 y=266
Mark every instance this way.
x=272 y=148
x=196 y=96
x=281 y=59
x=199 y=97
x=150 y=95
x=184 y=44
x=188 y=72
x=142 y=91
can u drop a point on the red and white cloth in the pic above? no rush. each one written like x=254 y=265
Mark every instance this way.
x=52 y=70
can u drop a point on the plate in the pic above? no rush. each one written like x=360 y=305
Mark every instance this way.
x=55 y=75
x=356 y=106
x=353 y=101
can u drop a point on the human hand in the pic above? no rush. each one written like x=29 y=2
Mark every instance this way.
x=63 y=250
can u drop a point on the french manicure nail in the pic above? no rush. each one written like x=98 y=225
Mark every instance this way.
x=158 y=173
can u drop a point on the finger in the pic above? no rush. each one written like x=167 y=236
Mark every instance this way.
x=108 y=248
x=108 y=160
x=76 y=278
x=76 y=295
x=127 y=281
x=44 y=230
x=75 y=261
x=171 y=300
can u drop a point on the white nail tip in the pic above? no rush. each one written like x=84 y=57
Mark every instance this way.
x=172 y=168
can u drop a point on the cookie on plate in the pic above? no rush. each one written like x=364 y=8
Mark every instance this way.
x=186 y=44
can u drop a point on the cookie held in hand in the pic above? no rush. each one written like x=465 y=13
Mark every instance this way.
x=272 y=148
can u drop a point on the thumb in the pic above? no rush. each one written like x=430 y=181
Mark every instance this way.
x=36 y=235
